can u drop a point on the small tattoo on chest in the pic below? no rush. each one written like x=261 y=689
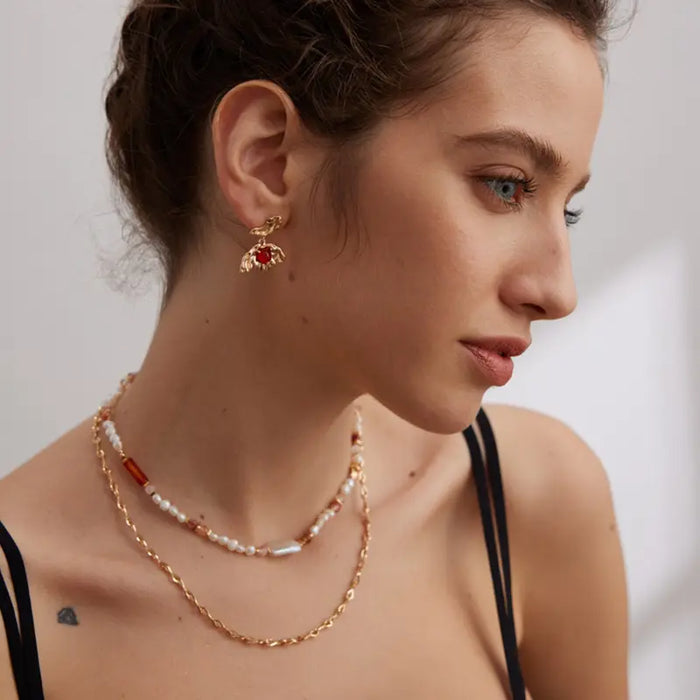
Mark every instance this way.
x=67 y=616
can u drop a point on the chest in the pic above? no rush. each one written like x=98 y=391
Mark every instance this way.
x=422 y=624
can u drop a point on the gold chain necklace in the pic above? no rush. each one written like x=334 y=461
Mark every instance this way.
x=177 y=580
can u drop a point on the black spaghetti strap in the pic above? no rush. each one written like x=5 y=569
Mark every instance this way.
x=504 y=603
x=14 y=642
x=494 y=473
x=25 y=657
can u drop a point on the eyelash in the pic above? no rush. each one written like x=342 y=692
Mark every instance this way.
x=529 y=186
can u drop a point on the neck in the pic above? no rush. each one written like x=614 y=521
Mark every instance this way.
x=246 y=432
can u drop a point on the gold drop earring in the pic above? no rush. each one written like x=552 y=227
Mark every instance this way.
x=263 y=255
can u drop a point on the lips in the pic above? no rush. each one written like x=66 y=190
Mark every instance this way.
x=501 y=346
x=495 y=368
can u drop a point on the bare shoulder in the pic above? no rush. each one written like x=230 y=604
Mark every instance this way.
x=547 y=463
x=48 y=506
x=36 y=500
x=562 y=522
x=45 y=492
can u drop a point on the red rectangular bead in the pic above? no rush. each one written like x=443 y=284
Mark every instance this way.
x=133 y=469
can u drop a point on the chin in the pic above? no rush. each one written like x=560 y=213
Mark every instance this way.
x=437 y=409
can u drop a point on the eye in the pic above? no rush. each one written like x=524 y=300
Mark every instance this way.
x=572 y=216
x=513 y=191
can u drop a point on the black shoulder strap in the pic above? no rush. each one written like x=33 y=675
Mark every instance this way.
x=485 y=476
x=21 y=640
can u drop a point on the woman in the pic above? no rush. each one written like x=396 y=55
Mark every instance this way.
x=303 y=451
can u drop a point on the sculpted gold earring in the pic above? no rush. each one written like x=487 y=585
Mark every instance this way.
x=263 y=255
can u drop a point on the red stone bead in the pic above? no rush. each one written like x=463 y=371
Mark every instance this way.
x=263 y=256
x=133 y=469
x=355 y=437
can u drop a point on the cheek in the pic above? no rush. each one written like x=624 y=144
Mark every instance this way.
x=424 y=229
x=412 y=283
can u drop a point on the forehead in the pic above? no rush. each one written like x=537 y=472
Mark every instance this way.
x=529 y=73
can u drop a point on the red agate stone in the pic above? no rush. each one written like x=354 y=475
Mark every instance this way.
x=133 y=469
x=263 y=256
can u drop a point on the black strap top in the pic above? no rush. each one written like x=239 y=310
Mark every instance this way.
x=485 y=477
x=21 y=639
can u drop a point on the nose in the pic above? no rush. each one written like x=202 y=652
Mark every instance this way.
x=542 y=281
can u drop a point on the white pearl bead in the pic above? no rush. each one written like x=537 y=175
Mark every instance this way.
x=165 y=504
x=173 y=511
x=283 y=548
x=240 y=548
x=181 y=518
x=250 y=550
x=315 y=529
x=213 y=536
x=351 y=482
x=222 y=540
x=157 y=498
x=346 y=488
x=358 y=459
x=231 y=545
x=150 y=489
x=355 y=449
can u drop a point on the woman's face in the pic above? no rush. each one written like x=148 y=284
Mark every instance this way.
x=450 y=242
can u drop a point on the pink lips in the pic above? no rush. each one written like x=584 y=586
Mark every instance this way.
x=497 y=369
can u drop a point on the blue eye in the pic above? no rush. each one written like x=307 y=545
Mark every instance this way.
x=506 y=189
x=510 y=191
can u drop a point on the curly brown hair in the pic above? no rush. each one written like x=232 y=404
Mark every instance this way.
x=346 y=64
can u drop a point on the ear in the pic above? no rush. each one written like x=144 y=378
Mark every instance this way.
x=254 y=127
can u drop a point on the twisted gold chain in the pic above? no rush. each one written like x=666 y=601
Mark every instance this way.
x=178 y=581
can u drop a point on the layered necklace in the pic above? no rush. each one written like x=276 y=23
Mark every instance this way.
x=103 y=423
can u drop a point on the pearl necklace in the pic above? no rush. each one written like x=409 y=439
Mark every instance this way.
x=177 y=580
x=276 y=548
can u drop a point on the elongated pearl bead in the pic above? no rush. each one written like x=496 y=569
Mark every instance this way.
x=283 y=547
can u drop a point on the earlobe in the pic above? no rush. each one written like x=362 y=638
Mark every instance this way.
x=250 y=141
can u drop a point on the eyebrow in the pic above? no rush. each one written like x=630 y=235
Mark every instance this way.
x=542 y=153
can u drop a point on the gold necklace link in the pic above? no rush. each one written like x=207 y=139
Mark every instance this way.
x=178 y=581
